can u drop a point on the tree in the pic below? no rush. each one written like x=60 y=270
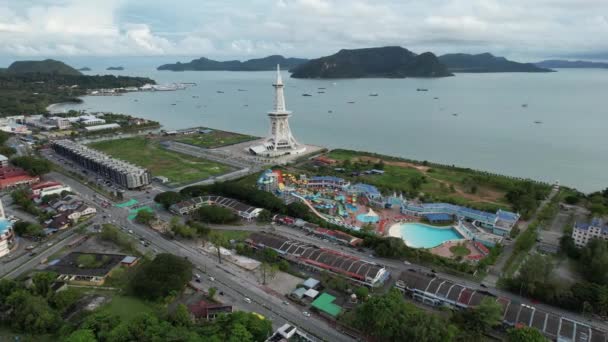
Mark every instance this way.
x=594 y=259
x=145 y=217
x=215 y=214
x=42 y=282
x=101 y=323
x=33 y=165
x=268 y=271
x=525 y=334
x=239 y=333
x=269 y=255
x=81 y=335
x=212 y=291
x=181 y=316
x=480 y=319
x=265 y=216
x=536 y=270
x=362 y=292
x=218 y=240
x=63 y=300
x=25 y=228
x=32 y=313
x=168 y=198
x=160 y=277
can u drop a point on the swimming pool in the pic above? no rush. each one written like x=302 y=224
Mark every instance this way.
x=419 y=235
x=365 y=218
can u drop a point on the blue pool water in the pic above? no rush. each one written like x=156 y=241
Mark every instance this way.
x=420 y=235
x=367 y=219
x=4 y=225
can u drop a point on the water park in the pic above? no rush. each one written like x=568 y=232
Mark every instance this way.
x=442 y=228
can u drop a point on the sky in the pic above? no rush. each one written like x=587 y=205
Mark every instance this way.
x=527 y=30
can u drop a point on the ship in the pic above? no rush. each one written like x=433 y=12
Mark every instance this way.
x=421 y=89
x=373 y=94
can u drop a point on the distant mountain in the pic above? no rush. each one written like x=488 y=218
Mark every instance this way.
x=116 y=68
x=558 y=63
x=485 y=62
x=381 y=62
x=47 y=66
x=259 y=64
x=84 y=69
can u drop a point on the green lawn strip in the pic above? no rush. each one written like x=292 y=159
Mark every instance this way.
x=233 y=234
x=128 y=307
x=179 y=168
x=459 y=250
x=214 y=139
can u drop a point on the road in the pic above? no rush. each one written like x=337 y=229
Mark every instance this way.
x=227 y=276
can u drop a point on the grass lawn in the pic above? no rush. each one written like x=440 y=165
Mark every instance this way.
x=214 y=139
x=461 y=251
x=127 y=307
x=179 y=168
x=239 y=235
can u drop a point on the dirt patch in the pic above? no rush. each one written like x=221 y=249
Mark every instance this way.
x=420 y=168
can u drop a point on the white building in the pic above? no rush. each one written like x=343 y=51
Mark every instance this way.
x=584 y=232
x=102 y=127
x=7 y=236
x=280 y=140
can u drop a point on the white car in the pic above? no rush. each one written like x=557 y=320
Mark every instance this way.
x=306 y=313
x=247 y=300
x=211 y=278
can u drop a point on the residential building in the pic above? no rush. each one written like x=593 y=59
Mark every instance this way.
x=3 y=161
x=49 y=188
x=584 y=232
x=207 y=311
x=289 y=333
x=70 y=270
x=7 y=237
x=60 y=123
x=120 y=172
x=11 y=177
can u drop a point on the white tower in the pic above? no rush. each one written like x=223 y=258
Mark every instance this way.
x=2 y=215
x=280 y=140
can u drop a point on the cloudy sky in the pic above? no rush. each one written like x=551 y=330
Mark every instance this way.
x=524 y=29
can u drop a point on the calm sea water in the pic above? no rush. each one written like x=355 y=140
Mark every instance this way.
x=492 y=130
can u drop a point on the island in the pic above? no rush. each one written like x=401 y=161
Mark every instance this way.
x=47 y=66
x=377 y=62
x=31 y=86
x=558 y=63
x=485 y=62
x=84 y=69
x=258 y=64
x=118 y=68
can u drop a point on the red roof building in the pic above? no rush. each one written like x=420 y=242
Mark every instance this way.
x=11 y=176
x=207 y=311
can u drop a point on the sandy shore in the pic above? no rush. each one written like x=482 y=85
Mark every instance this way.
x=395 y=231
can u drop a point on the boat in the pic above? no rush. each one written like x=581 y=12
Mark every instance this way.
x=330 y=111
x=241 y=90
x=538 y=122
x=435 y=98
x=306 y=94
x=320 y=92
x=525 y=105
x=455 y=114
x=373 y=94
x=351 y=102
x=174 y=104
x=219 y=92
x=421 y=89
x=321 y=88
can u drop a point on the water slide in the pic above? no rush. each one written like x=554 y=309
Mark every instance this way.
x=310 y=206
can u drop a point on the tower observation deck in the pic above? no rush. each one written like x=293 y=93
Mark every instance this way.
x=280 y=140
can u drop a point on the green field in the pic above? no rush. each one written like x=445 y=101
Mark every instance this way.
x=127 y=307
x=441 y=183
x=179 y=168
x=238 y=235
x=214 y=139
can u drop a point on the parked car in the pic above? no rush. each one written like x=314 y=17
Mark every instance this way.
x=306 y=313
x=247 y=300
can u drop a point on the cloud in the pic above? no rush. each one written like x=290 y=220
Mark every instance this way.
x=307 y=28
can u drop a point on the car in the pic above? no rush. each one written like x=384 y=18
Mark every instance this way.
x=196 y=275
x=483 y=285
x=247 y=300
x=412 y=270
x=211 y=278
x=285 y=302
x=49 y=244
x=306 y=313
x=32 y=254
x=130 y=231
x=221 y=293
x=406 y=262
x=197 y=280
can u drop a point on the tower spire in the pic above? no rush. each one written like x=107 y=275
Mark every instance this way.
x=279 y=97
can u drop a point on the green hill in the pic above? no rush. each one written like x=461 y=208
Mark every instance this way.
x=47 y=66
x=382 y=62
x=258 y=64
x=485 y=62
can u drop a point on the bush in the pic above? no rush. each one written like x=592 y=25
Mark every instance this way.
x=165 y=275
x=33 y=165
x=215 y=214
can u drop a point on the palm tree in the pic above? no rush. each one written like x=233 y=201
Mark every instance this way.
x=218 y=240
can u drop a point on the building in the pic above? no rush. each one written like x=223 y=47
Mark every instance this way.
x=206 y=311
x=289 y=333
x=244 y=211
x=11 y=177
x=280 y=141
x=7 y=236
x=120 y=172
x=584 y=232
x=3 y=161
x=345 y=265
x=437 y=291
x=60 y=123
x=101 y=127
x=325 y=305
x=327 y=182
x=91 y=120
x=49 y=188
x=70 y=269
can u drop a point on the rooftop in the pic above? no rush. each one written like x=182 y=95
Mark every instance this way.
x=68 y=265
x=325 y=304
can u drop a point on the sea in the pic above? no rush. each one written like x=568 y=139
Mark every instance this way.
x=545 y=126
